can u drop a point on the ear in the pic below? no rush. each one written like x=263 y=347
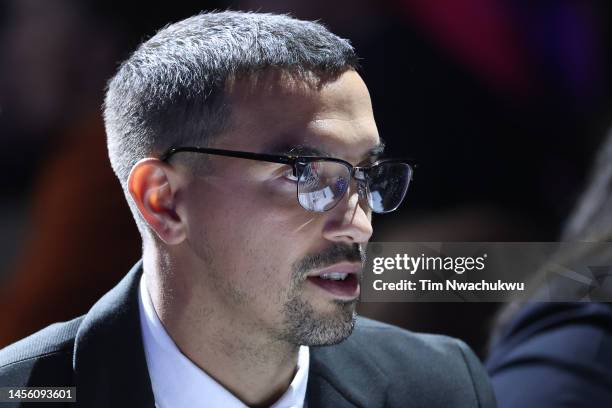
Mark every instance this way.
x=149 y=184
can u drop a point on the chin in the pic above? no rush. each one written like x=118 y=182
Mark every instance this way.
x=304 y=325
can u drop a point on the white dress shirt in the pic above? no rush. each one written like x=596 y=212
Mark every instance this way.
x=177 y=382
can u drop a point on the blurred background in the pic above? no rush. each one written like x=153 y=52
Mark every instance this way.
x=502 y=103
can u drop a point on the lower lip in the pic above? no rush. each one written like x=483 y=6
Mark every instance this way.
x=348 y=288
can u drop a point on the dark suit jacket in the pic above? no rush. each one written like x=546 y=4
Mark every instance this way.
x=101 y=354
x=554 y=355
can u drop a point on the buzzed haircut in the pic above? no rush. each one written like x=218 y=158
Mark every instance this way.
x=170 y=91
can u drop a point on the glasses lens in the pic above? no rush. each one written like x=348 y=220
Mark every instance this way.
x=322 y=184
x=387 y=185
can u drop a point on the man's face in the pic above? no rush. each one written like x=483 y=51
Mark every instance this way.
x=254 y=252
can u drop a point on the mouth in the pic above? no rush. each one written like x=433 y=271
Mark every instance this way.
x=340 y=280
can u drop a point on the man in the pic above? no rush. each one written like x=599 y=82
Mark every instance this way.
x=246 y=292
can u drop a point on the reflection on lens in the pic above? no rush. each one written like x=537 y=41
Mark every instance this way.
x=387 y=185
x=322 y=184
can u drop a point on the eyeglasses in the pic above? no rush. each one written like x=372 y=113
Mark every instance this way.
x=323 y=181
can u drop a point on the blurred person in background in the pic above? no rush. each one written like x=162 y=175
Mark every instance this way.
x=559 y=354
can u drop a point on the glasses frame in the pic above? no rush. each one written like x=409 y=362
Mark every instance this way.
x=298 y=162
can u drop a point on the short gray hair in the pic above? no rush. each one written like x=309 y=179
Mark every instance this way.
x=170 y=91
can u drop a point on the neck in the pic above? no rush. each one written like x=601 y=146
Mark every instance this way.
x=250 y=364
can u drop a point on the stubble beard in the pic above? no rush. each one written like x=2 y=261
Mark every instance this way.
x=304 y=326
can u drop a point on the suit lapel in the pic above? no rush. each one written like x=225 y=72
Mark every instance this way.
x=340 y=376
x=109 y=360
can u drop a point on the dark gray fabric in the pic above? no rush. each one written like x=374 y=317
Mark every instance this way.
x=380 y=365
x=567 y=344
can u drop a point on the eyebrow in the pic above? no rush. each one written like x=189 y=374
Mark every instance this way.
x=304 y=150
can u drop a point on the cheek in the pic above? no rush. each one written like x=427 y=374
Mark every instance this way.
x=281 y=195
x=259 y=254
x=250 y=229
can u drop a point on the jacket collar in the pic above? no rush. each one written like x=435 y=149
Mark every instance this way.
x=110 y=366
x=109 y=360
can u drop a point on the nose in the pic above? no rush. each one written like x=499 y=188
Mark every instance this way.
x=350 y=221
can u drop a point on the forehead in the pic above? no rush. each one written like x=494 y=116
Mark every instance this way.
x=275 y=111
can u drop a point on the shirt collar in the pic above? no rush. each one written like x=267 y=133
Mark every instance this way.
x=178 y=382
